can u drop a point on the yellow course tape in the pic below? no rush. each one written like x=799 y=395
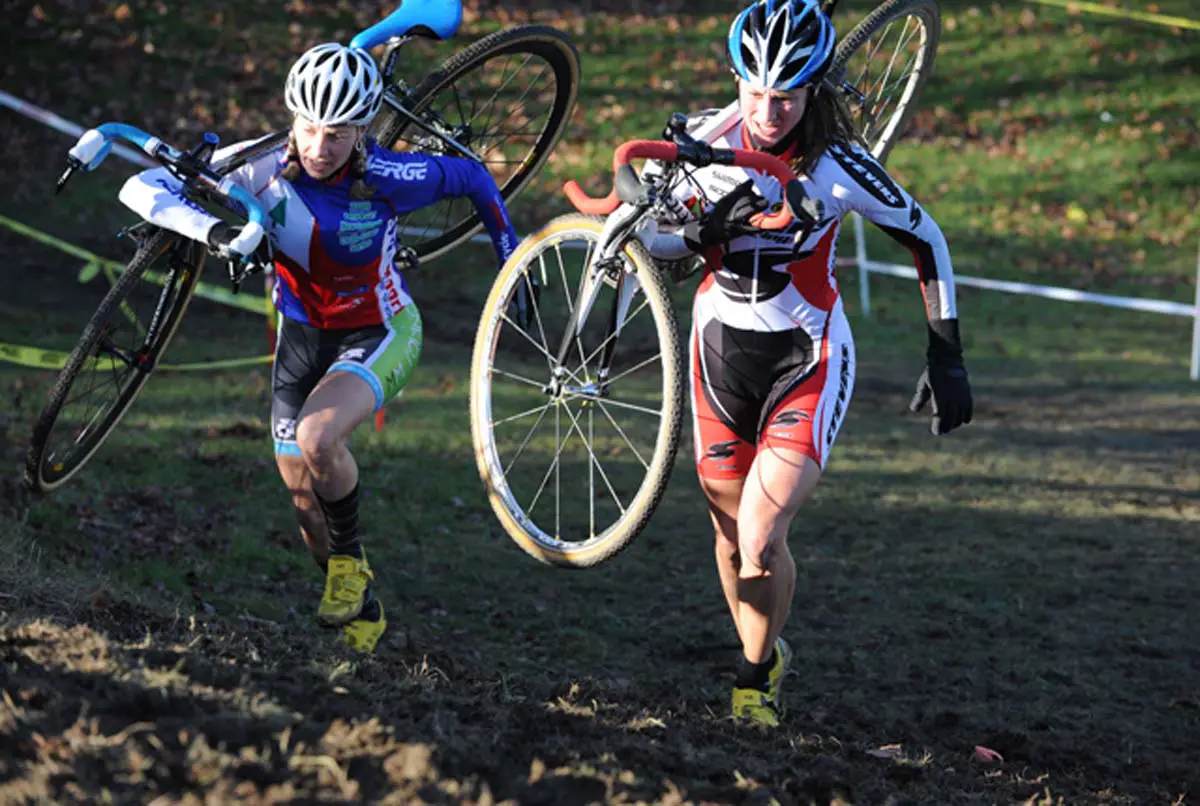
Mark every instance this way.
x=1124 y=13
x=39 y=358
x=252 y=303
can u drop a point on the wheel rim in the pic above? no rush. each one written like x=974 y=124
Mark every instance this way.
x=882 y=76
x=566 y=455
x=119 y=361
x=506 y=111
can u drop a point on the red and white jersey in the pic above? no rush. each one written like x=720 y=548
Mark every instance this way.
x=767 y=282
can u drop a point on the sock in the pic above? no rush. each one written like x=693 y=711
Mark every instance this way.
x=755 y=675
x=342 y=519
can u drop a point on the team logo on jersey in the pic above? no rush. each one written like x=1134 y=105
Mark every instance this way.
x=278 y=213
x=869 y=174
x=404 y=171
x=359 y=226
x=353 y=354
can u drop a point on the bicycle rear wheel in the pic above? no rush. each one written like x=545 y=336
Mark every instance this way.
x=882 y=66
x=575 y=446
x=508 y=98
x=113 y=359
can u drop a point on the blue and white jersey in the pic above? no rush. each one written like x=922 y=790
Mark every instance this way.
x=334 y=255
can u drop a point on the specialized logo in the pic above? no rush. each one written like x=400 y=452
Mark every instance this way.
x=404 y=171
x=285 y=429
x=839 y=407
x=353 y=354
x=789 y=417
x=869 y=174
x=359 y=226
x=721 y=450
x=915 y=216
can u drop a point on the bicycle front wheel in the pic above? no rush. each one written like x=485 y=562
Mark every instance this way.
x=882 y=66
x=575 y=418
x=507 y=98
x=114 y=357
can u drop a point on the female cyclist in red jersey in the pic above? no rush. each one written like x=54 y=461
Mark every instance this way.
x=772 y=355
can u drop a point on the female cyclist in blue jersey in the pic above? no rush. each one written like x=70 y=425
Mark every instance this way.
x=349 y=333
x=771 y=350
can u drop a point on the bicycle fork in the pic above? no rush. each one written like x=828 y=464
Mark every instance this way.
x=606 y=267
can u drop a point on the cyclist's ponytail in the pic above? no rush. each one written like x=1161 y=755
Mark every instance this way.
x=293 y=169
x=359 y=189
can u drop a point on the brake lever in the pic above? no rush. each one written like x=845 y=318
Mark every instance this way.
x=73 y=165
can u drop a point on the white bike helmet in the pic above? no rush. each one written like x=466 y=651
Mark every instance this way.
x=781 y=44
x=333 y=85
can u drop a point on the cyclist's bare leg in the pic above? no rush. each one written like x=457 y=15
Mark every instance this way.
x=723 y=497
x=308 y=512
x=339 y=403
x=780 y=481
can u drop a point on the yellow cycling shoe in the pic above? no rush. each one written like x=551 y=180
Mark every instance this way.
x=364 y=632
x=345 y=586
x=765 y=707
x=752 y=705
x=783 y=659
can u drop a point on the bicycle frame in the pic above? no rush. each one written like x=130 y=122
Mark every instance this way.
x=627 y=206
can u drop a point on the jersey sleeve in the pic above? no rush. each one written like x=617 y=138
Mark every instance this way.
x=157 y=196
x=413 y=181
x=863 y=186
x=463 y=177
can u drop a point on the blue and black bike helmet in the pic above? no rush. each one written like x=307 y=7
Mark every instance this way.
x=781 y=44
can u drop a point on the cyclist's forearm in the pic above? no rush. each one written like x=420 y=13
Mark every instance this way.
x=931 y=256
x=669 y=245
x=495 y=218
x=155 y=196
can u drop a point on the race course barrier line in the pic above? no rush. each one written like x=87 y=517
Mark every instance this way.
x=215 y=293
x=65 y=126
x=1122 y=13
x=39 y=358
x=866 y=266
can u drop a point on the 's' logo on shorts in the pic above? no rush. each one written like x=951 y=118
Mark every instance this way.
x=720 y=450
x=791 y=417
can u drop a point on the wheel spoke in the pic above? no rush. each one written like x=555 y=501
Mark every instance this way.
x=528 y=436
x=624 y=436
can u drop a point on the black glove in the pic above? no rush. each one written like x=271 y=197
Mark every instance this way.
x=944 y=379
x=523 y=308
x=728 y=219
